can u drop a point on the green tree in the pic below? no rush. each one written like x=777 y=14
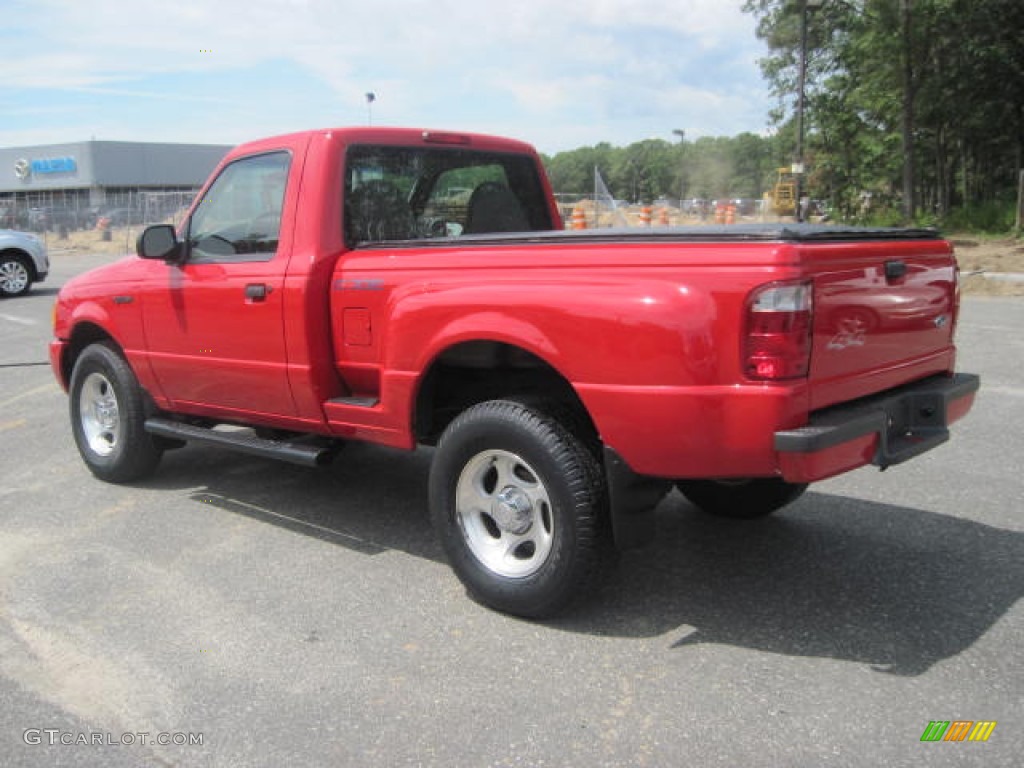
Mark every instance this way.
x=917 y=99
x=752 y=166
x=574 y=171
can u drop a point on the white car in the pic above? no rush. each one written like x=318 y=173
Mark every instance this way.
x=23 y=261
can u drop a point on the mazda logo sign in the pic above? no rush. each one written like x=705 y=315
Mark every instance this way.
x=22 y=168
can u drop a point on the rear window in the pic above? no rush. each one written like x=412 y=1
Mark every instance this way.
x=403 y=193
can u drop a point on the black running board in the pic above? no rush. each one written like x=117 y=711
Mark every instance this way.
x=302 y=452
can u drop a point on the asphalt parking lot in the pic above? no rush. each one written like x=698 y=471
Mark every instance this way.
x=288 y=616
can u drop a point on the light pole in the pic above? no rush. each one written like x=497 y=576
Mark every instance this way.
x=798 y=163
x=682 y=165
x=370 y=98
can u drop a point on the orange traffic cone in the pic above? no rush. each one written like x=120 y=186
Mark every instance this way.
x=579 y=218
x=645 y=216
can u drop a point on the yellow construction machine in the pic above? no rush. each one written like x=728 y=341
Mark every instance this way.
x=783 y=194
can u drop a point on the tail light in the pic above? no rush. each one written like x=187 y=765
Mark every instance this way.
x=777 y=342
x=956 y=300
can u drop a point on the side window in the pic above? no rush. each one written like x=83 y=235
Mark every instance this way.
x=239 y=218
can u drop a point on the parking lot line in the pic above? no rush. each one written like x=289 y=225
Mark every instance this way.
x=19 y=320
x=40 y=390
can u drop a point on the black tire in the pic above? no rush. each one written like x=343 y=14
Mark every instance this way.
x=108 y=416
x=15 y=275
x=745 y=499
x=520 y=508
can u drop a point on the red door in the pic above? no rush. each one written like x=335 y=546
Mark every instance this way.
x=214 y=323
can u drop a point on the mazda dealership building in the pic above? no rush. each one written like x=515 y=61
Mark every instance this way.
x=76 y=182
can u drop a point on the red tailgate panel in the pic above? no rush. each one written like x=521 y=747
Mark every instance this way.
x=884 y=315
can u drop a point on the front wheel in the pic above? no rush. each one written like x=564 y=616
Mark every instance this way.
x=108 y=417
x=742 y=499
x=15 y=277
x=518 y=503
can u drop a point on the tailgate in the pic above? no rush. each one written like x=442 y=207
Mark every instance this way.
x=884 y=314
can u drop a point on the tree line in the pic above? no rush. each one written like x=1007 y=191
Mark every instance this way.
x=708 y=168
x=914 y=112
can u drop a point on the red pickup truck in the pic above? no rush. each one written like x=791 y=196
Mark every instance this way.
x=416 y=288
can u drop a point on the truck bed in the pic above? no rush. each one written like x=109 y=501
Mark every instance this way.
x=782 y=232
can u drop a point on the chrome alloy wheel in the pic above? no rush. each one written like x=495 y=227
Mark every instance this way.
x=14 y=277
x=504 y=513
x=100 y=416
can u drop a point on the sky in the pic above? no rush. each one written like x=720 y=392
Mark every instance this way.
x=559 y=75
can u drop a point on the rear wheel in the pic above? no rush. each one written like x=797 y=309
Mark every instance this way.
x=743 y=499
x=518 y=503
x=15 y=276
x=108 y=417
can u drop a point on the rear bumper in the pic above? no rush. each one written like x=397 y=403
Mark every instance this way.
x=883 y=430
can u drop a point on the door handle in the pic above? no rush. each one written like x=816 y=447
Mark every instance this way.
x=257 y=291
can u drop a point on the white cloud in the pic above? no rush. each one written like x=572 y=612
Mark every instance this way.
x=555 y=70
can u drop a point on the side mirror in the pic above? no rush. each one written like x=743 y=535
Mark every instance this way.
x=158 y=242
